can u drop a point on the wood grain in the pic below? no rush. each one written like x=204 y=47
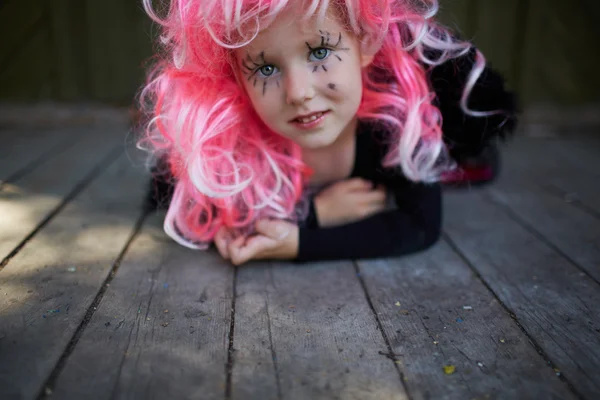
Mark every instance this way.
x=25 y=149
x=570 y=230
x=161 y=330
x=551 y=299
x=566 y=166
x=307 y=332
x=437 y=313
x=27 y=201
x=50 y=283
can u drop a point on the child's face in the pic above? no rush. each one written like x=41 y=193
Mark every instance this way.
x=304 y=79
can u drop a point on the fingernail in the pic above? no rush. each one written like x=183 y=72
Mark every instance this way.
x=283 y=235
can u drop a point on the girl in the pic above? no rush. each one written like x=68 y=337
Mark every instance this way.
x=281 y=126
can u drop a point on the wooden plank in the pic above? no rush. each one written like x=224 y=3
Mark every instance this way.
x=566 y=166
x=307 y=332
x=49 y=285
x=24 y=150
x=571 y=230
x=27 y=201
x=161 y=330
x=420 y=302
x=553 y=301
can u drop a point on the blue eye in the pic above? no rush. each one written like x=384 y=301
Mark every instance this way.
x=320 y=53
x=267 y=70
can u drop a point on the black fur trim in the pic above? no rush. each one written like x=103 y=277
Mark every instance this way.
x=161 y=187
x=465 y=135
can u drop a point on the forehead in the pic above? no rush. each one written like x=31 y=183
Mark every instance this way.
x=291 y=29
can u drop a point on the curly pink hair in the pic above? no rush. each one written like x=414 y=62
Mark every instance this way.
x=229 y=168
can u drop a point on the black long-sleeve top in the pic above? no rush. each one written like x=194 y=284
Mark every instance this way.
x=412 y=226
x=416 y=222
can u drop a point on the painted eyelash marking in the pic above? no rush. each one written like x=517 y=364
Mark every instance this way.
x=323 y=37
x=325 y=43
x=326 y=37
x=252 y=69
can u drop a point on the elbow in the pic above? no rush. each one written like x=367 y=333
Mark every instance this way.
x=422 y=241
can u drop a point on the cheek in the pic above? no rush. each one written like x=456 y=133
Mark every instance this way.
x=344 y=78
x=344 y=89
x=267 y=107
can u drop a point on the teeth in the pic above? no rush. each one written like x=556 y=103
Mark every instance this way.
x=310 y=119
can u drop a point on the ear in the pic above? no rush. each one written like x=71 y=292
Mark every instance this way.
x=369 y=46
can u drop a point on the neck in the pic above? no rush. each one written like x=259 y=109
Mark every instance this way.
x=314 y=157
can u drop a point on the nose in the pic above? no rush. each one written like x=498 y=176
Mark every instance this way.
x=298 y=86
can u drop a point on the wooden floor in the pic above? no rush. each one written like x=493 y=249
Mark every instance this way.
x=97 y=303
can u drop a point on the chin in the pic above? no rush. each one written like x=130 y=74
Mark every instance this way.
x=317 y=143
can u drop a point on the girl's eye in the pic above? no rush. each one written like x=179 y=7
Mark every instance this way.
x=320 y=53
x=267 y=70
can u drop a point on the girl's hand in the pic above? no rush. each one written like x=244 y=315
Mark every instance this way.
x=274 y=239
x=348 y=201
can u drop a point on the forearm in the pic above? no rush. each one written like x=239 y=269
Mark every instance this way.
x=388 y=234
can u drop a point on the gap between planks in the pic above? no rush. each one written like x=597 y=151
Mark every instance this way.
x=79 y=187
x=48 y=386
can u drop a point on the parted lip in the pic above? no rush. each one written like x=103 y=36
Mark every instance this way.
x=299 y=117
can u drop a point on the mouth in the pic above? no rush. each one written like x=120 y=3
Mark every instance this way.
x=308 y=118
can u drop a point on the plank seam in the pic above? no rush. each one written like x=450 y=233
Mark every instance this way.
x=48 y=386
x=79 y=187
x=558 y=192
x=538 y=348
x=273 y=353
x=537 y=234
x=113 y=394
x=47 y=155
x=380 y=328
x=231 y=349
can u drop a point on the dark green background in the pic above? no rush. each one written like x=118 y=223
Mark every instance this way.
x=94 y=50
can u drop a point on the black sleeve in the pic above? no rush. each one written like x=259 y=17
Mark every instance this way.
x=414 y=226
x=466 y=135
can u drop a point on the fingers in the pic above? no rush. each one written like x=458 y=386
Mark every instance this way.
x=374 y=197
x=221 y=240
x=274 y=229
x=352 y=184
x=270 y=240
x=234 y=249
x=244 y=251
x=372 y=202
x=358 y=184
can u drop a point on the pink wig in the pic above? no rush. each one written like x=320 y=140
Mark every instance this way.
x=230 y=169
